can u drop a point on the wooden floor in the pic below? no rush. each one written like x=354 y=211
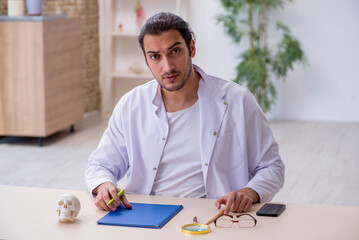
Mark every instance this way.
x=321 y=159
x=322 y=162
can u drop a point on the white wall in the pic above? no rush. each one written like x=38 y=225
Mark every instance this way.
x=326 y=90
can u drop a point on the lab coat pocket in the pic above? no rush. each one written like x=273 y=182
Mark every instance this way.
x=227 y=153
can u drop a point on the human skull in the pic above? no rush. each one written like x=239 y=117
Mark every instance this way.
x=68 y=207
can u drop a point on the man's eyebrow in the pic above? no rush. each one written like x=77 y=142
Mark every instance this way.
x=152 y=52
x=169 y=48
x=173 y=45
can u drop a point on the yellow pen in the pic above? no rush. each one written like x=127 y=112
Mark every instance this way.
x=119 y=194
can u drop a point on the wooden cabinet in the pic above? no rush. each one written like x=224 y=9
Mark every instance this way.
x=40 y=75
x=122 y=63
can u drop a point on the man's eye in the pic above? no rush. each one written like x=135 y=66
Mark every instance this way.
x=154 y=57
x=175 y=50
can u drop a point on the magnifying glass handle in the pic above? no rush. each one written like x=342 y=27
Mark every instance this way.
x=215 y=217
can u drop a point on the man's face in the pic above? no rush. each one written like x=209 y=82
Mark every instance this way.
x=168 y=58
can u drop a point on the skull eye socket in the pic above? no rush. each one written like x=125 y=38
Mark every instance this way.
x=69 y=202
x=61 y=202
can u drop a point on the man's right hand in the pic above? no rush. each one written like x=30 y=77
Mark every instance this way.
x=104 y=193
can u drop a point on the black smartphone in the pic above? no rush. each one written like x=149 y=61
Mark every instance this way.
x=271 y=210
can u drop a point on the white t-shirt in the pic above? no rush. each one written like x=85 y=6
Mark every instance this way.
x=179 y=172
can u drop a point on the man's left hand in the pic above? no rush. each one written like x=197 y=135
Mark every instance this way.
x=238 y=201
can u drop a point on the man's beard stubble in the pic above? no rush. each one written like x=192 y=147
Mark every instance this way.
x=183 y=83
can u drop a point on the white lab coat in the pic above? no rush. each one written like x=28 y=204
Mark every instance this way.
x=236 y=143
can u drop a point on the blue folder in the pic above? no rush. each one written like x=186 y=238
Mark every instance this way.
x=141 y=215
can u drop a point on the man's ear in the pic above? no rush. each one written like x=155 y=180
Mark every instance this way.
x=192 y=46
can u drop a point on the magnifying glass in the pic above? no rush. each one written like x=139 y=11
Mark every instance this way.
x=198 y=228
x=195 y=228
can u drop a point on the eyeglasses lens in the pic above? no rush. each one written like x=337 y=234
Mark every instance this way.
x=246 y=221
x=224 y=223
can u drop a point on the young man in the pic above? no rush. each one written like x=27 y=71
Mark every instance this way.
x=185 y=133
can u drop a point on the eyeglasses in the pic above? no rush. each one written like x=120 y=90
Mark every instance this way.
x=244 y=220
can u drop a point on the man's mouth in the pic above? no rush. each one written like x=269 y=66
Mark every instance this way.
x=171 y=77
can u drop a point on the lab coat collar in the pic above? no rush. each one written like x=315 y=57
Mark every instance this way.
x=211 y=85
x=157 y=98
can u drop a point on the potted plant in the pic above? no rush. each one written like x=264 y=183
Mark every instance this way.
x=260 y=63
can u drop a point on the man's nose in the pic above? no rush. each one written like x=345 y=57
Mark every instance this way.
x=168 y=65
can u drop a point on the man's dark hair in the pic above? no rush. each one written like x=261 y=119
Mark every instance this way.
x=165 y=21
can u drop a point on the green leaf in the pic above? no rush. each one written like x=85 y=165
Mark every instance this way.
x=289 y=52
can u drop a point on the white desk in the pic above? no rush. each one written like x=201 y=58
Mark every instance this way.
x=30 y=213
